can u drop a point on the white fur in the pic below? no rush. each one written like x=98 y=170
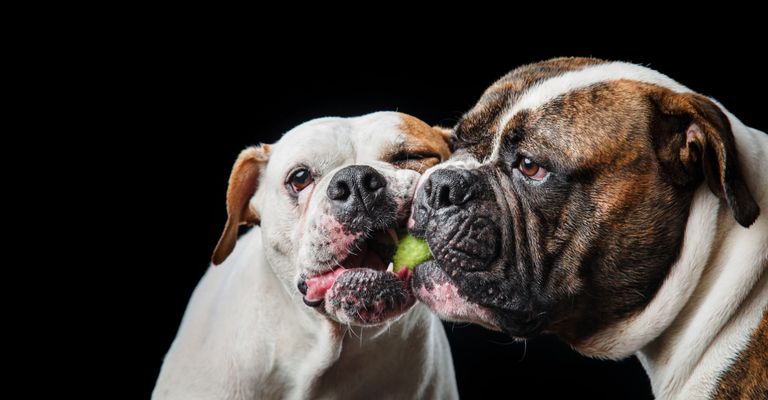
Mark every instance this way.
x=246 y=332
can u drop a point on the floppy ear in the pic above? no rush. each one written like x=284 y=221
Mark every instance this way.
x=704 y=144
x=243 y=182
x=447 y=135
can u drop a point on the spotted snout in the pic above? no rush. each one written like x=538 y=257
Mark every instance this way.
x=454 y=206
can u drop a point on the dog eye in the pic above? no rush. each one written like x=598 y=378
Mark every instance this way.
x=299 y=179
x=532 y=170
x=404 y=157
x=415 y=161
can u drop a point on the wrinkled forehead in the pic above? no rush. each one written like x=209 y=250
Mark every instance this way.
x=561 y=97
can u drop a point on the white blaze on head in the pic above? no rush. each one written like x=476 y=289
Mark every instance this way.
x=552 y=88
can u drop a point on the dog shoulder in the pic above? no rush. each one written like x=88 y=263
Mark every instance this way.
x=201 y=358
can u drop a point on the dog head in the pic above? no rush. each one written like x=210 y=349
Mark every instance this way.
x=566 y=200
x=329 y=197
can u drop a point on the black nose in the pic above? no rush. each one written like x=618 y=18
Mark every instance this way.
x=448 y=187
x=357 y=188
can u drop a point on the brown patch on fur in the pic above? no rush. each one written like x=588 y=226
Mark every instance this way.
x=243 y=182
x=592 y=246
x=588 y=129
x=610 y=224
x=747 y=378
x=709 y=146
x=481 y=122
x=424 y=146
x=616 y=226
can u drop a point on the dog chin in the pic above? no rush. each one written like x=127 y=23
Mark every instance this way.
x=363 y=296
x=436 y=289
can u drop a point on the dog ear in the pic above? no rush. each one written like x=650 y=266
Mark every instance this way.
x=448 y=136
x=702 y=143
x=243 y=182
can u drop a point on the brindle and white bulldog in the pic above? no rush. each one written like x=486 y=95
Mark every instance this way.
x=303 y=307
x=610 y=205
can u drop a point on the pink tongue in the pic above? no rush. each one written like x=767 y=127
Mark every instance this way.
x=318 y=285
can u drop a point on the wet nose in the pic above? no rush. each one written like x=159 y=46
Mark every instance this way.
x=357 y=188
x=448 y=187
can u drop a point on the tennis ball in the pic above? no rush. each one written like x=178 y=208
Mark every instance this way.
x=411 y=252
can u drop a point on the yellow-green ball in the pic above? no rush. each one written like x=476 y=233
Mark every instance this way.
x=411 y=252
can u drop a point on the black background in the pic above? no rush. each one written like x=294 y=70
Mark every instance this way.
x=196 y=97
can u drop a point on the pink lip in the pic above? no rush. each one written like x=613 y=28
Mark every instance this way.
x=444 y=299
x=367 y=255
x=318 y=285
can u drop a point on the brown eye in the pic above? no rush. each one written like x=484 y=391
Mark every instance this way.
x=300 y=179
x=532 y=170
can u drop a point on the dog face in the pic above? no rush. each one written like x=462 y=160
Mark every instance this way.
x=566 y=200
x=330 y=196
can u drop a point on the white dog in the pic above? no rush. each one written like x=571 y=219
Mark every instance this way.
x=327 y=199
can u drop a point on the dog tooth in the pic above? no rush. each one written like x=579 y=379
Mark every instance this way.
x=391 y=267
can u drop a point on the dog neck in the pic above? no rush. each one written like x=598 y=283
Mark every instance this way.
x=728 y=297
x=712 y=299
x=715 y=323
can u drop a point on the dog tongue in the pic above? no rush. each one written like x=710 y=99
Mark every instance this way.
x=318 y=285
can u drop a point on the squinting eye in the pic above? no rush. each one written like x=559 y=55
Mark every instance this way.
x=415 y=161
x=299 y=180
x=403 y=157
x=532 y=170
